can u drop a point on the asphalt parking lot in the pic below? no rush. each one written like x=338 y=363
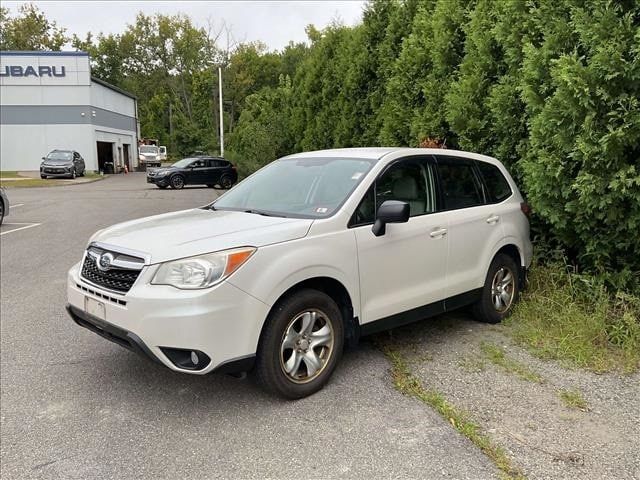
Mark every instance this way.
x=76 y=406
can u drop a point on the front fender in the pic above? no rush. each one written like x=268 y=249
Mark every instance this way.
x=274 y=269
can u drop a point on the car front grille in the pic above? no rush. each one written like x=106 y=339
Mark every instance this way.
x=114 y=278
x=54 y=170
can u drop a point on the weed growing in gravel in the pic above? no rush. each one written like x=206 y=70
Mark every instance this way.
x=406 y=383
x=573 y=399
x=497 y=356
x=572 y=317
x=471 y=365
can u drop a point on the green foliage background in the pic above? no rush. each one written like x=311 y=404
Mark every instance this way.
x=551 y=88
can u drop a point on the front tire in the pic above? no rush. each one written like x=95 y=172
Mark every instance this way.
x=177 y=182
x=500 y=291
x=43 y=177
x=300 y=345
x=73 y=174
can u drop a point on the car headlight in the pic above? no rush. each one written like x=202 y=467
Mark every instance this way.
x=202 y=271
x=161 y=174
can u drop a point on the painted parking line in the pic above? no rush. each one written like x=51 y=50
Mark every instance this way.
x=16 y=205
x=26 y=225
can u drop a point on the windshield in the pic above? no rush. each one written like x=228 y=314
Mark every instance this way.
x=149 y=149
x=59 y=155
x=183 y=163
x=303 y=188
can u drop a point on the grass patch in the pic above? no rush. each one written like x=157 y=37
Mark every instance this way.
x=31 y=182
x=498 y=356
x=573 y=399
x=9 y=174
x=406 y=383
x=574 y=318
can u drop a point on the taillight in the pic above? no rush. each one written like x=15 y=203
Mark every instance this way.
x=526 y=209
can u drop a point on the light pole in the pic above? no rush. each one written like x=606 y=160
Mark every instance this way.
x=221 y=117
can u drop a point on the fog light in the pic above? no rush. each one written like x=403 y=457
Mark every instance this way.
x=187 y=359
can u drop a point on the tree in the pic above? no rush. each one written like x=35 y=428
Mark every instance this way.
x=29 y=30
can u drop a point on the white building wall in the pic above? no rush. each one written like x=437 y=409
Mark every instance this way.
x=103 y=97
x=23 y=146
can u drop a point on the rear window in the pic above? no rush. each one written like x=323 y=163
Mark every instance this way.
x=498 y=188
x=460 y=185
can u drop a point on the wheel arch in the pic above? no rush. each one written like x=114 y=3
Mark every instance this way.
x=512 y=250
x=338 y=293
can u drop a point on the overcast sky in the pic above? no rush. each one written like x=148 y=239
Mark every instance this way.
x=273 y=22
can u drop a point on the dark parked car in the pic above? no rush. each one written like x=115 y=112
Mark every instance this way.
x=209 y=171
x=62 y=163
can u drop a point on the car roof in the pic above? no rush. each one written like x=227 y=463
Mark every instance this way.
x=377 y=153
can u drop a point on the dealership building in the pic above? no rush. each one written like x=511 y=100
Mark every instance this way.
x=49 y=100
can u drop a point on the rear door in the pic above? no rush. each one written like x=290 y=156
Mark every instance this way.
x=405 y=268
x=474 y=226
x=214 y=172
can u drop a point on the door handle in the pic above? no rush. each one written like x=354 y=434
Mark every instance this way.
x=493 y=219
x=440 y=232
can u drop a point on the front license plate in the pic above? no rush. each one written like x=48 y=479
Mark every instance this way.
x=95 y=308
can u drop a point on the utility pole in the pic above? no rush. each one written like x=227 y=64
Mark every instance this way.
x=170 y=127
x=221 y=119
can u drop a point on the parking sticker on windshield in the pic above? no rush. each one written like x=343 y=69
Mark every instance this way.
x=322 y=210
x=356 y=176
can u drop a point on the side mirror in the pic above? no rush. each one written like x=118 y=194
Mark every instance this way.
x=43 y=158
x=391 y=211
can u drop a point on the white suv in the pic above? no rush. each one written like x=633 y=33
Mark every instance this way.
x=310 y=252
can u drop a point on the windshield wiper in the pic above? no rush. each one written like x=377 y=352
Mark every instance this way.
x=258 y=212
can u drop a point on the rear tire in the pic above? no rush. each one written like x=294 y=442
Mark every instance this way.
x=300 y=345
x=73 y=174
x=177 y=182
x=500 y=291
x=1 y=212
x=226 y=182
x=43 y=177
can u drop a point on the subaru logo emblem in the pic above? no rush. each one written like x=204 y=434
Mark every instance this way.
x=104 y=261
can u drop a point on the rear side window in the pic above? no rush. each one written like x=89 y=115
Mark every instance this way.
x=498 y=188
x=460 y=185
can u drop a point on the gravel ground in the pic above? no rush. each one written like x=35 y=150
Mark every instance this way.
x=544 y=437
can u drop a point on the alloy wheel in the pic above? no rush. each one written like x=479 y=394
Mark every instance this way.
x=226 y=182
x=307 y=346
x=502 y=289
x=177 y=182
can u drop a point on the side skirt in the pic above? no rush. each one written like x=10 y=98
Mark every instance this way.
x=421 y=313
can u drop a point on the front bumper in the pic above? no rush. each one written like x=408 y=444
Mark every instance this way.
x=55 y=172
x=162 y=181
x=222 y=322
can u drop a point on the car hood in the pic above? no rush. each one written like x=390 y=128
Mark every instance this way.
x=157 y=171
x=194 y=232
